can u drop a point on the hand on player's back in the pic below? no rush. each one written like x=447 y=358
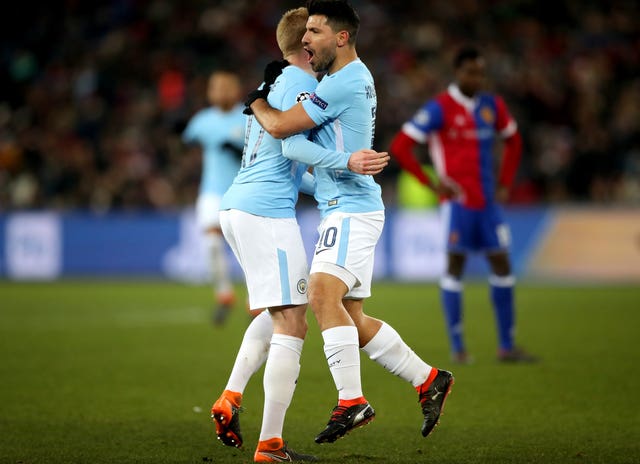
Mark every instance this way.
x=271 y=72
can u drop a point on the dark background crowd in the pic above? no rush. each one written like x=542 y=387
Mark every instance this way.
x=94 y=95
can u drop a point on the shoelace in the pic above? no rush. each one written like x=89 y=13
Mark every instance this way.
x=339 y=414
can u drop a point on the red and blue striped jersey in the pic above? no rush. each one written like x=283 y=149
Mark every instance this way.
x=461 y=132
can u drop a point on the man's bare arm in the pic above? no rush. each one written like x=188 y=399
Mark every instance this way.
x=281 y=124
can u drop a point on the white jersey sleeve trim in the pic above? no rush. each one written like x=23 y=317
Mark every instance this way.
x=508 y=131
x=412 y=131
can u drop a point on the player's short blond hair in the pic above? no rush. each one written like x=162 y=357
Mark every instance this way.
x=291 y=28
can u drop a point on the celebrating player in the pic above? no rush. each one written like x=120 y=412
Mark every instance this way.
x=342 y=109
x=258 y=220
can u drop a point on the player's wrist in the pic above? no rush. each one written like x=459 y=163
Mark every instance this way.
x=348 y=157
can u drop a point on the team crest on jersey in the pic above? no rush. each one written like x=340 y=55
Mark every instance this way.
x=487 y=115
x=302 y=96
x=302 y=286
x=422 y=118
x=454 y=238
x=316 y=100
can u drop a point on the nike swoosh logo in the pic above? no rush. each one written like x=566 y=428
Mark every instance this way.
x=323 y=249
x=284 y=457
x=360 y=416
x=332 y=355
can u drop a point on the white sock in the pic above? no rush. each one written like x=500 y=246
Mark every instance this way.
x=280 y=377
x=252 y=353
x=389 y=350
x=218 y=263
x=343 y=357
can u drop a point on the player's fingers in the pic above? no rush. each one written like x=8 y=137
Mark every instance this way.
x=376 y=156
x=371 y=162
x=376 y=168
x=384 y=159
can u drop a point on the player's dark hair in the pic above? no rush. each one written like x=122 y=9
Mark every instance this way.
x=468 y=53
x=340 y=15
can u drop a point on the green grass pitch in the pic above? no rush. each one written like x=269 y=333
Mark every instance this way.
x=115 y=372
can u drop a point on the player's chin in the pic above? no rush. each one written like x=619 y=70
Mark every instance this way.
x=316 y=66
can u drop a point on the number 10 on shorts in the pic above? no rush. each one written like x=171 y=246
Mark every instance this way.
x=327 y=239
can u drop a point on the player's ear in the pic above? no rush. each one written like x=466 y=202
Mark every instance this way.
x=342 y=38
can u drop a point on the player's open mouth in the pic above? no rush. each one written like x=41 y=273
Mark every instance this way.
x=309 y=54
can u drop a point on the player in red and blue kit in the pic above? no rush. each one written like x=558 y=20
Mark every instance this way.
x=460 y=126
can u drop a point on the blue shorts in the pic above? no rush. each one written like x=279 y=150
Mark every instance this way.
x=468 y=230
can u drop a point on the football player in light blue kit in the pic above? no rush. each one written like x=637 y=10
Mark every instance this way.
x=258 y=220
x=343 y=109
x=219 y=130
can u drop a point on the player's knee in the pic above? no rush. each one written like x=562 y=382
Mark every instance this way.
x=455 y=265
x=321 y=297
x=317 y=299
x=500 y=264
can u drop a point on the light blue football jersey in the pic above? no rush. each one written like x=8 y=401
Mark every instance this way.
x=267 y=183
x=212 y=128
x=344 y=109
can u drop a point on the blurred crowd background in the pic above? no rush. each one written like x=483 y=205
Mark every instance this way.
x=94 y=95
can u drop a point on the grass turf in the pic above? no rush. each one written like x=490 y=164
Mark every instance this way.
x=106 y=372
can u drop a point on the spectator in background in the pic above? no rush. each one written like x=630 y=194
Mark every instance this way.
x=461 y=126
x=92 y=102
x=219 y=130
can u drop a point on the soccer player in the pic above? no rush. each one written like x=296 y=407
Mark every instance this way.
x=219 y=129
x=258 y=220
x=461 y=126
x=342 y=111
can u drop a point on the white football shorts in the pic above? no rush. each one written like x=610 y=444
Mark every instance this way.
x=346 y=249
x=207 y=214
x=272 y=256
